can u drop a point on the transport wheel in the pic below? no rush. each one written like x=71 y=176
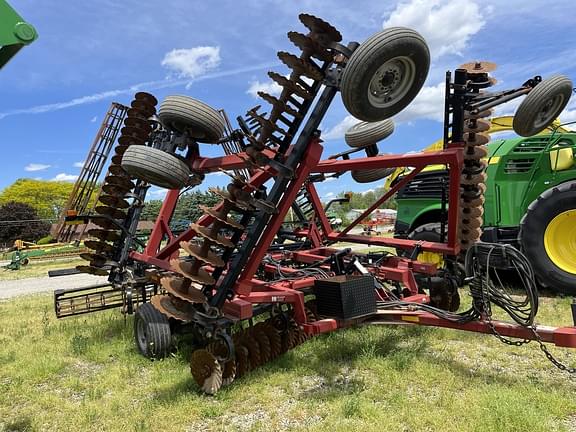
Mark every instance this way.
x=201 y=121
x=152 y=332
x=371 y=175
x=542 y=105
x=365 y=134
x=548 y=238
x=156 y=167
x=385 y=74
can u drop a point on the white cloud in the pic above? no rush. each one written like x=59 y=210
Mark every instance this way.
x=36 y=167
x=148 y=85
x=429 y=104
x=65 y=177
x=93 y=119
x=338 y=131
x=270 y=87
x=330 y=179
x=367 y=191
x=78 y=164
x=329 y=194
x=192 y=62
x=447 y=25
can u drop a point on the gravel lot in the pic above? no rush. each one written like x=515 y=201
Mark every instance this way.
x=14 y=288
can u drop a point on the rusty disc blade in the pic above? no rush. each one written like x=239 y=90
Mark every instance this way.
x=92 y=270
x=279 y=105
x=300 y=66
x=208 y=256
x=477 y=126
x=135 y=113
x=475 y=153
x=209 y=235
x=474 y=179
x=219 y=350
x=146 y=98
x=264 y=343
x=242 y=360
x=144 y=107
x=183 y=289
x=472 y=212
x=113 y=201
x=135 y=132
x=99 y=246
x=128 y=141
x=472 y=203
x=290 y=85
x=98 y=260
x=116 y=159
x=309 y=46
x=482 y=114
x=253 y=349
x=105 y=235
x=471 y=234
x=117 y=170
x=477 y=67
x=187 y=269
x=206 y=371
x=275 y=339
x=104 y=222
x=320 y=27
x=226 y=196
x=476 y=139
x=138 y=123
x=221 y=217
x=472 y=223
x=115 y=190
x=123 y=182
x=165 y=306
x=112 y=212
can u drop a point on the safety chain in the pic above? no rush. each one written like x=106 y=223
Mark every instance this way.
x=549 y=356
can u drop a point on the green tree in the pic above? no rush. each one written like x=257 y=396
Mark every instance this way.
x=187 y=209
x=48 y=198
x=20 y=221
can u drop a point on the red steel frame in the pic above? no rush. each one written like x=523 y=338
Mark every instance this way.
x=252 y=291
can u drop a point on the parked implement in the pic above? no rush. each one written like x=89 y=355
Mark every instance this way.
x=247 y=287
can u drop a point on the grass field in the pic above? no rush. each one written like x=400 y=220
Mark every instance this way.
x=85 y=374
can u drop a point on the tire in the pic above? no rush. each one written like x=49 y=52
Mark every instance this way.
x=552 y=270
x=201 y=121
x=155 y=167
x=542 y=105
x=152 y=332
x=365 y=134
x=397 y=54
x=431 y=232
x=371 y=175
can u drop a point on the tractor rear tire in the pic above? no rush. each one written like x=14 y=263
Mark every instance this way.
x=542 y=105
x=156 y=167
x=152 y=332
x=185 y=114
x=365 y=134
x=384 y=74
x=548 y=238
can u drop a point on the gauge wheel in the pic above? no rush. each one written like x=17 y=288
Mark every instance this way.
x=199 y=120
x=152 y=332
x=371 y=175
x=548 y=238
x=384 y=74
x=364 y=134
x=156 y=167
x=542 y=105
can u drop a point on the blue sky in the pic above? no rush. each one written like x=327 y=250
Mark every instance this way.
x=55 y=92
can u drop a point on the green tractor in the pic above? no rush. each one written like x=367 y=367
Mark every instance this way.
x=530 y=203
x=15 y=33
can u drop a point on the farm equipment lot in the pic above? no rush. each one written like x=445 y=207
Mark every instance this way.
x=86 y=374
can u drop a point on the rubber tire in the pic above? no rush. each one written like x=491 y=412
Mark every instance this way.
x=532 y=228
x=371 y=175
x=365 y=134
x=365 y=61
x=201 y=121
x=527 y=113
x=155 y=167
x=158 y=337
